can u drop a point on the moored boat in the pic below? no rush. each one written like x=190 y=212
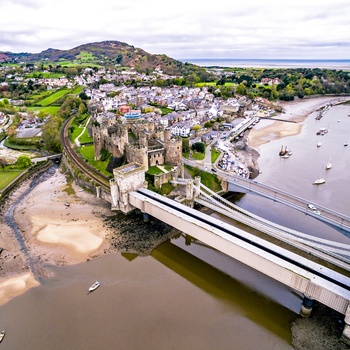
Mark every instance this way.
x=319 y=181
x=94 y=286
x=329 y=164
x=2 y=334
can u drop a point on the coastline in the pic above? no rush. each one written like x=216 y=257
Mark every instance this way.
x=64 y=225
x=58 y=229
x=295 y=112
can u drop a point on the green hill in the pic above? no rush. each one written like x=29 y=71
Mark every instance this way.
x=108 y=53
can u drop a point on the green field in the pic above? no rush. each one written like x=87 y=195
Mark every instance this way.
x=7 y=176
x=87 y=153
x=45 y=75
x=52 y=98
x=77 y=90
x=52 y=110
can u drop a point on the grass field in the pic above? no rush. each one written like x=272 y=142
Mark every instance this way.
x=52 y=98
x=45 y=75
x=52 y=110
x=77 y=90
x=7 y=176
x=87 y=153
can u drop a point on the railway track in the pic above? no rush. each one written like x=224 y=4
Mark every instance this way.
x=88 y=170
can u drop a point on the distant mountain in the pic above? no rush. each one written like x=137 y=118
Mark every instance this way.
x=107 y=53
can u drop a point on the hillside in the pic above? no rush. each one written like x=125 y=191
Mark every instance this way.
x=107 y=53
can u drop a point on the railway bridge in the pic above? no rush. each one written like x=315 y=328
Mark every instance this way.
x=330 y=287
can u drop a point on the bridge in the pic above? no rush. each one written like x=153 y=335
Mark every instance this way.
x=314 y=281
x=292 y=267
x=330 y=217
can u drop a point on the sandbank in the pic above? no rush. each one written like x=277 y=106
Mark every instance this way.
x=10 y=287
x=58 y=228
x=294 y=113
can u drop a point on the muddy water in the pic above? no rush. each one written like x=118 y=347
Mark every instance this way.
x=180 y=297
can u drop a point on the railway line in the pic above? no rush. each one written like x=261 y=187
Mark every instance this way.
x=100 y=179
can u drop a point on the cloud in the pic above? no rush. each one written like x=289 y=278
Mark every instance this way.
x=183 y=29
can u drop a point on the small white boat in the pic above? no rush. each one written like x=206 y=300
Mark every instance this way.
x=94 y=286
x=329 y=164
x=2 y=334
x=320 y=181
x=319 y=144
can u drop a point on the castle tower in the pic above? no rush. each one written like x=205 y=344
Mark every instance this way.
x=173 y=148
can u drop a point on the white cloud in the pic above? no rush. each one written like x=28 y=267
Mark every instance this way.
x=182 y=29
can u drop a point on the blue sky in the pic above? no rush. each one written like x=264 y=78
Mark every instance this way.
x=306 y=29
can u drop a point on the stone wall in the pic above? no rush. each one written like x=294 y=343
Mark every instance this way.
x=163 y=178
x=127 y=178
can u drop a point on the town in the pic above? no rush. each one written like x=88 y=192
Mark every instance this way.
x=198 y=114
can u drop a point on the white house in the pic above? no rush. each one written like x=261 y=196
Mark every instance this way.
x=181 y=129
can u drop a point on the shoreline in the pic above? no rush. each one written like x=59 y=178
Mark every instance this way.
x=295 y=113
x=64 y=225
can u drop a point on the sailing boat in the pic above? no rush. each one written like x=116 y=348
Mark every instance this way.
x=329 y=164
x=319 y=181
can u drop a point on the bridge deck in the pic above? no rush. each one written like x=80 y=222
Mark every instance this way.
x=331 y=217
x=318 y=282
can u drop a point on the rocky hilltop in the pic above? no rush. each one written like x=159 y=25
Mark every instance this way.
x=107 y=53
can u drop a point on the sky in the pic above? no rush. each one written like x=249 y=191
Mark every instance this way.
x=300 y=29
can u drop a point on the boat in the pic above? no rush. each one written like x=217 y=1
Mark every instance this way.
x=319 y=181
x=329 y=164
x=94 y=286
x=2 y=334
x=346 y=144
x=284 y=153
x=319 y=144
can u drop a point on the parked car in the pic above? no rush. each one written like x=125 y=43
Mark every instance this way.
x=312 y=207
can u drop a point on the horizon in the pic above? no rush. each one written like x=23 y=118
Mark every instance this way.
x=269 y=29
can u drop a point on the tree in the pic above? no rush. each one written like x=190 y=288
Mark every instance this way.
x=23 y=162
x=241 y=89
x=185 y=145
x=199 y=147
x=3 y=163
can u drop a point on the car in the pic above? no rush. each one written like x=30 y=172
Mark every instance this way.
x=316 y=212
x=312 y=207
x=213 y=170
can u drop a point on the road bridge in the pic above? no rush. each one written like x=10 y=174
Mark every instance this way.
x=314 y=281
x=335 y=253
x=330 y=217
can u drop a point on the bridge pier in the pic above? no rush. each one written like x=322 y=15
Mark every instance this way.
x=345 y=337
x=145 y=217
x=98 y=191
x=306 y=307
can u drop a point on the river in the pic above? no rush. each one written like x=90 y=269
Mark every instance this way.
x=186 y=295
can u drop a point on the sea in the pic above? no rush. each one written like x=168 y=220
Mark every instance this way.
x=343 y=64
x=186 y=295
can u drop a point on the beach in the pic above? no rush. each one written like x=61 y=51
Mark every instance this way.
x=294 y=113
x=62 y=224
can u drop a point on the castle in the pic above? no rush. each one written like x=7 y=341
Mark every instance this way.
x=138 y=142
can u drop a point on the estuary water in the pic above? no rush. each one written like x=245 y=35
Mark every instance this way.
x=186 y=295
x=269 y=63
